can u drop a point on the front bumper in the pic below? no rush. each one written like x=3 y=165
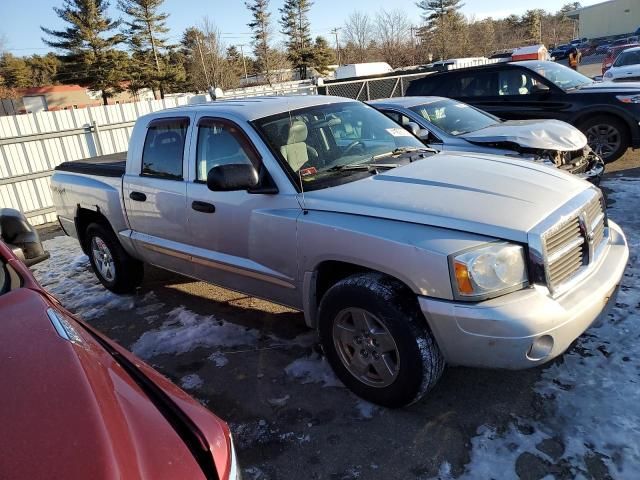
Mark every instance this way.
x=526 y=328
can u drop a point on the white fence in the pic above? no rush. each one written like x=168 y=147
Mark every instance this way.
x=32 y=145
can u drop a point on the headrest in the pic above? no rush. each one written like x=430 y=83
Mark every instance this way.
x=296 y=132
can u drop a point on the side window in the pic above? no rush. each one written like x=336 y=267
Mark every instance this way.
x=483 y=84
x=164 y=148
x=220 y=143
x=514 y=81
x=397 y=117
x=423 y=86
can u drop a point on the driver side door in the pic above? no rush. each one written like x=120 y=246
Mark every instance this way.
x=528 y=96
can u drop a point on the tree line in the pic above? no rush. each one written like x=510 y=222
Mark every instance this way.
x=135 y=52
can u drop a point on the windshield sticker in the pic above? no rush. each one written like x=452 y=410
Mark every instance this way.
x=398 y=132
x=306 y=172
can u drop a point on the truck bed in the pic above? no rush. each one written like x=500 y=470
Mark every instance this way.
x=112 y=165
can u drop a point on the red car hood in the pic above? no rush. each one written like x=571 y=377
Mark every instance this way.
x=69 y=410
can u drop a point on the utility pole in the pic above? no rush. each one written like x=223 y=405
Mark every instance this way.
x=244 y=62
x=204 y=66
x=335 y=32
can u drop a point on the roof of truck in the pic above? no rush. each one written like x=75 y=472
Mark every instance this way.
x=252 y=108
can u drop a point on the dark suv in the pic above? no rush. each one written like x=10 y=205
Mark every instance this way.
x=608 y=113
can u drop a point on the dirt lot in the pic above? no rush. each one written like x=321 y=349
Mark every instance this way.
x=257 y=366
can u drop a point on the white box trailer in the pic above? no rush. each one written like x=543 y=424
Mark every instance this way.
x=362 y=69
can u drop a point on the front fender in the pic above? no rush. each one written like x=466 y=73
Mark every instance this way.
x=414 y=254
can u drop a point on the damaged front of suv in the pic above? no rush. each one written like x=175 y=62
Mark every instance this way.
x=452 y=126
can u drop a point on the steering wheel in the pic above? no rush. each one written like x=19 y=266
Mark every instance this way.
x=352 y=145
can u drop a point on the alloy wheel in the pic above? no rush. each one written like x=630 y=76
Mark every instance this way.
x=103 y=259
x=366 y=347
x=604 y=139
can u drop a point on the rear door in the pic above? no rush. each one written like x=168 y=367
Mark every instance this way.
x=155 y=196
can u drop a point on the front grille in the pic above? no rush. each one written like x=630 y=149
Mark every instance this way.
x=574 y=243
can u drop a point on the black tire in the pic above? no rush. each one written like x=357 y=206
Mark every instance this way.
x=420 y=362
x=128 y=272
x=618 y=129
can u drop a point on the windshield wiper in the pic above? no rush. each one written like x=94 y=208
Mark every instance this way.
x=362 y=166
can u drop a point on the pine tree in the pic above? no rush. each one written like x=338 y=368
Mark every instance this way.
x=322 y=55
x=261 y=27
x=15 y=71
x=295 y=25
x=89 y=57
x=444 y=24
x=145 y=32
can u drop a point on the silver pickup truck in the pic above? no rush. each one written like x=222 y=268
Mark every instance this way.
x=401 y=258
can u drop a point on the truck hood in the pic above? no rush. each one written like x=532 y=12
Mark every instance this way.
x=484 y=194
x=540 y=134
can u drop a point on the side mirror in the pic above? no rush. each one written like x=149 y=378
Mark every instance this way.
x=235 y=176
x=540 y=88
x=21 y=237
x=413 y=127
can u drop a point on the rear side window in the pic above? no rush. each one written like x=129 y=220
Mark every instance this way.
x=164 y=148
x=473 y=84
x=221 y=143
x=423 y=87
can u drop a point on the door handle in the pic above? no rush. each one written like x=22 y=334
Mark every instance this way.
x=203 y=207
x=138 y=196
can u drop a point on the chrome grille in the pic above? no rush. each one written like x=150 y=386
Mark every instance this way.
x=573 y=244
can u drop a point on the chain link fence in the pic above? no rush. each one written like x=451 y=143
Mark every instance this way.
x=371 y=88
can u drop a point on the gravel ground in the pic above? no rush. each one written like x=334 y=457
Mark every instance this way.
x=257 y=366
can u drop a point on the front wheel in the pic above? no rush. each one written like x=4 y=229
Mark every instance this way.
x=607 y=136
x=114 y=267
x=377 y=340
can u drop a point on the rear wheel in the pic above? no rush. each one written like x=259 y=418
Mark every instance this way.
x=114 y=267
x=377 y=340
x=607 y=136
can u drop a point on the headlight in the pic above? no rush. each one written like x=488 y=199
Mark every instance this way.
x=488 y=271
x=608 y=74
x=629 y=98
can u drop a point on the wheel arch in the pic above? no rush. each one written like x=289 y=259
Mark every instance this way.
x=329 y=272
x=603 y=110
x=85 y=217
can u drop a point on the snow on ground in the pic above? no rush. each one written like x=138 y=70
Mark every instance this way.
x=313 y=369
x=185 y=330
x=593 y=391
x=191 y=381
x=68 y=276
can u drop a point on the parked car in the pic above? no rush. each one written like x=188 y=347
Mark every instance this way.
x=452 y=126
x=620 y=41
x=608 y=114
x=625 y=68
x=403 y=259
x=613 y=53
x=603 y=47
x=86 y=407
x=561 y=52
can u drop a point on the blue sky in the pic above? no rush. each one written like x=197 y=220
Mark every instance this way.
x=21 y=19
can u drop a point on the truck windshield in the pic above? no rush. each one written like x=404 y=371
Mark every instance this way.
x=561 y=76
x=317 y=144
x=455 y=118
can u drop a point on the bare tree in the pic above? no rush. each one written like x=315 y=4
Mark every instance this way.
x=394 y=29
x=358 y=35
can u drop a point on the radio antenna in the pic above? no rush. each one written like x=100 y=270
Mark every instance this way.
x=304 y=204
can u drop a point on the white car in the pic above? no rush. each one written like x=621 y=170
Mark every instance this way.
x=626 y=67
